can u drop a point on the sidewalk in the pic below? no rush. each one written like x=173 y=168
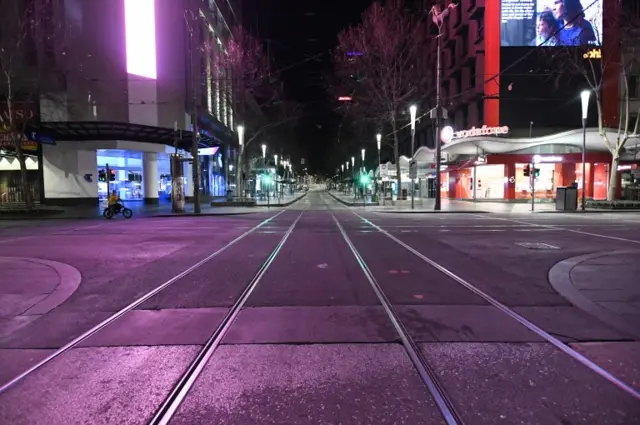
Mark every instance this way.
x=144 y=210
x=422 y=205
x=606 y=285
x=32 y=287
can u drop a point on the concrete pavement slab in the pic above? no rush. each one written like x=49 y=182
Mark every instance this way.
x=570 y=323
x=587 y=282
x=459 y=323
x=311 y=324
x=309 y=384
x=314 y=268
x=15 y=361
x=620 y=358
x=185 y=326
x=405 y=278
x=97 y=386
x=527 y=384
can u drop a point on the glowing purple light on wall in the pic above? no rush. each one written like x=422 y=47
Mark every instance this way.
x=140 y=27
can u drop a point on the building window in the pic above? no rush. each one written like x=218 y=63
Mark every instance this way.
x=633 y=86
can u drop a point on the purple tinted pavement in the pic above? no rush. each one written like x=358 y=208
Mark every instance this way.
x=313 y=345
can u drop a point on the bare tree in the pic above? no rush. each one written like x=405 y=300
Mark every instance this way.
x=28 y=34
x=383 y=65
x=596 y=70
x=243 y=70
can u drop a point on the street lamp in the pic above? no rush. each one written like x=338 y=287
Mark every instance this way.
x=413 y=109
x=585 y=111
x=275 y=158
x=379 y=140
x=241 y=135
x=438 y=15
x=264 y=151
x=353 y=175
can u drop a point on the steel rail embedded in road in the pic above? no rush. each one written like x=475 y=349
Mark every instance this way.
x=428 y=375
x=509 y=312
x=131 y=306
x=180 y=391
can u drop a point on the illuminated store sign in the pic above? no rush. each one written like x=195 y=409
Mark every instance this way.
x=447 y=133
x=537 y=159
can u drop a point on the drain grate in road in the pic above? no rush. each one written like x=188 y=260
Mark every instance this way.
x=536 y=245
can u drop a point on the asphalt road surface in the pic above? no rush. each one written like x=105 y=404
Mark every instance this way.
x=318 y=314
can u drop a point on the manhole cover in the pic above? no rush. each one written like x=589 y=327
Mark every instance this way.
x=536 y=245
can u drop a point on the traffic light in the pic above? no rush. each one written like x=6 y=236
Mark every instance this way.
x=364 y=179
x=527 y=170
x=112 y=175
x=266 y=179
x=536 y=172
x=102 y=176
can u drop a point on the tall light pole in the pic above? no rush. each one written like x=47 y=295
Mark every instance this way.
x=379 y=140
x=275 y=159
x=585 y=111
x=438 y=15
x=413 y=109
x=353 y=175
x=345 y=186
x=240 y=130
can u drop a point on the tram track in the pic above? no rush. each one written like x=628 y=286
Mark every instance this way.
x=536 y=330
x=181 y=390
x=77 y=341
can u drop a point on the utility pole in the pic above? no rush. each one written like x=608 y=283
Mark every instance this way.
x=438 y=15
x=195 y=138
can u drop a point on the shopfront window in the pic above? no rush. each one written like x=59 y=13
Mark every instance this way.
x=126 y=169
x=490 y=181
x=550 y=177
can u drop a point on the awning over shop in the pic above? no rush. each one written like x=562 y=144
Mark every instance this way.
x=80 y=131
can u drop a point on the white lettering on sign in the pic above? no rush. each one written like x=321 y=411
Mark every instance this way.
x=538 y=158
x=482 y=131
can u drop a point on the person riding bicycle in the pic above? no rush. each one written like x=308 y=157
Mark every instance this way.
x=114 y=202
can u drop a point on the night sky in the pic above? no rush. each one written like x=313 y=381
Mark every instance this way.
x=301 y=35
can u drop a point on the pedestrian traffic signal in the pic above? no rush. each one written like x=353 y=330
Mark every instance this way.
x=102 y=176
x=536 y=172
x=527 y=170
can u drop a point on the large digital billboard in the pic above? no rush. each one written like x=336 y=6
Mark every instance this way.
x=550 y=23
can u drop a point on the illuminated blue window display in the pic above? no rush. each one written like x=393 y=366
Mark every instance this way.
x=126 y=167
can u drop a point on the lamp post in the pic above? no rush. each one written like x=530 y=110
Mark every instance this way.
x=438 y=15
x=353 y=175
x=413 y=109
x=240 y=130
x=264 y=151
x=344 y=189
x=379 y=140
x=585 y=111
x=275 y=159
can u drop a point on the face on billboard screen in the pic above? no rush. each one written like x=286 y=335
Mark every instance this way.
x=550 y=23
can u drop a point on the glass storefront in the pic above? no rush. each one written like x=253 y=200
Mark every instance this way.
x=551 y=176
x=126 y=168
x=490 y=181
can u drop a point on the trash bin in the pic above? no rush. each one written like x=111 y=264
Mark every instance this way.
x=567 y=198
x=229 y=195
x=404 y=195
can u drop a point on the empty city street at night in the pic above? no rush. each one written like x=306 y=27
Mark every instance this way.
x=322 y=314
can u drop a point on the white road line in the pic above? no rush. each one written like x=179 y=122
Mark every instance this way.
x=579 y=232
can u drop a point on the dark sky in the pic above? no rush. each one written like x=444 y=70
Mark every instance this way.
x=301 y=34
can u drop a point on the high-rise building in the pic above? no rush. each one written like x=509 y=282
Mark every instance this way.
x=109 y=82
x=509 y=103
